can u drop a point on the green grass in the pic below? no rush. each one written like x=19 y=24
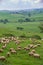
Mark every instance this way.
x=22 y=57
x=30 y=28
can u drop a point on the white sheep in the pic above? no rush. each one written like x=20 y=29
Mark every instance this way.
x=36 y=55
x=26 y=48
x=1 y=50
x=30 y=53
x=2 y=58
x=33 y=51
x=35 y=46
x=8 y=54
x=13 y=51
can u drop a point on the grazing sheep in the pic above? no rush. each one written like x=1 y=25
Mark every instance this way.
x=14 y=39
x=42 y=39
x=26 y=48
x=17 y=37
x=2 y=38
x=3 y=47
x=33 y=51
x=18 y=48
x=38 y=45
x=8 y=54
x=36 y=55
x=17 y=41
x=7 y=41
x=30 y=53
x=1 y=50
x=6 y=37
x=31 y=45
x=2 y=58
x=9 y=38
x=13 y=51
x=3 y=41
x=35 y=46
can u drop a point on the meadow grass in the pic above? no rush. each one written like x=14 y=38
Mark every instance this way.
x=30 y=28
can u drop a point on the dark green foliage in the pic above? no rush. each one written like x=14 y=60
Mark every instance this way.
x=36 y=37
x=4 y=21
x=29 y=14
x=24 y=20
x=1 y=20
x=20 y=20
x=41 y=27
x=23 y=35
x=27 y=20
x=8 y=34
x=20 y=28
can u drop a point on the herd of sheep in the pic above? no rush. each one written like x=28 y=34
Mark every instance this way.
x=29 y=47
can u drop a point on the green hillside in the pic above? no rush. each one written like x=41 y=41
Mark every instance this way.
x=22 y=27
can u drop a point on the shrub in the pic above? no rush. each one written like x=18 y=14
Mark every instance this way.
x=8 y=34
x=23 y=36
x=36 y=37
x=20 y=28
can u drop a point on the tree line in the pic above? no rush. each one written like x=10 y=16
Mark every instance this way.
x=4 y=21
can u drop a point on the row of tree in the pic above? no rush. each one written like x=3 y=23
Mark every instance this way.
x=24 y=20
x=4 y=21
x=29 y=20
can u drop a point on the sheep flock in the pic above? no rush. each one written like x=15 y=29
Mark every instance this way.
x=30 y=48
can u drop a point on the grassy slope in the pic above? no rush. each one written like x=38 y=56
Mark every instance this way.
x=28 y=27
x=22 y=57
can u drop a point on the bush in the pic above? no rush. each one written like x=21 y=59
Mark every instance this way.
x=36 y=37
x=4 y=21
x=20 y=20
x=27 y=20
x=20 y=28
x=8 y=34
x=23 y=36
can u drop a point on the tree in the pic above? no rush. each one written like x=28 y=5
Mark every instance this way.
x=27 y=19
x=20 y=28
x=1 y=20
x=41 y=27
x=5 y=21
x=29 y=15
x=20 y=20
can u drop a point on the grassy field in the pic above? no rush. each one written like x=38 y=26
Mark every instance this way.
x=22 y=57
x=30 y=28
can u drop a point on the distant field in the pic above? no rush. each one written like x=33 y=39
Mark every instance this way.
x=13 y=22
x=31 y=27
